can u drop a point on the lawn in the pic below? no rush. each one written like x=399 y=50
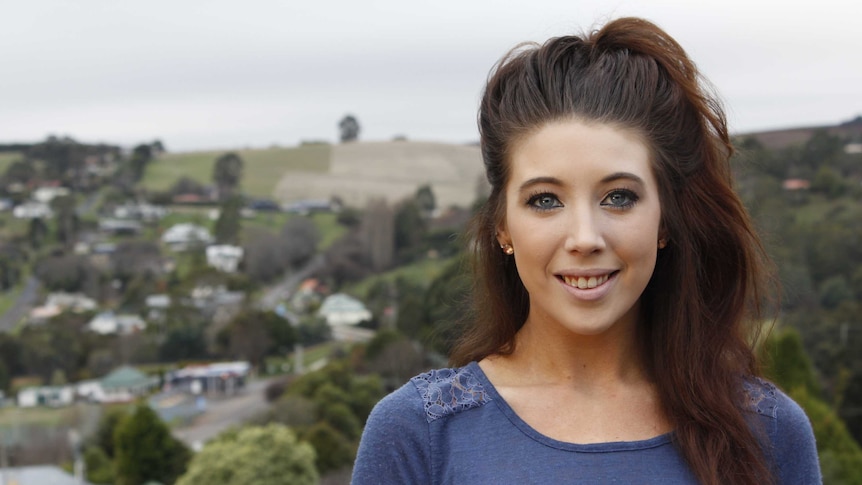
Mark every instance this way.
x=262 y=171
x=6 y=159
x=420 y=273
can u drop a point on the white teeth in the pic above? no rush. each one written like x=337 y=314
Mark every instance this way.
x=584 y=283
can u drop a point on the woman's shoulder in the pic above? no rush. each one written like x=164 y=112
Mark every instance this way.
x=446 y=392
x=766 y=399
x=438 y=393
x=791 y=445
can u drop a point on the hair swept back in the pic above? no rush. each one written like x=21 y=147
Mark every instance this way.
x=701 y=309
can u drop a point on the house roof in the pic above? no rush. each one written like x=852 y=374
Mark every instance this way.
x=339 y=303
x=126 y=376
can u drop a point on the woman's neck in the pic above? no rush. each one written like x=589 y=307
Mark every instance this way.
x=553 y=354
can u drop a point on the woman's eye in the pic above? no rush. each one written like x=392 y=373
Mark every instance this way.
x=620 y=199
x=544 y=201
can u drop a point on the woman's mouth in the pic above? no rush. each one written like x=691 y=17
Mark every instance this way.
x=586 y=282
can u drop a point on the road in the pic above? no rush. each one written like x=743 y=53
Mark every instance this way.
x=276 y=293
x=222 y=413
x=22 y=305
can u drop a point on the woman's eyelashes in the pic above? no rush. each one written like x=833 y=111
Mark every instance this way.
x=620 y=199
x=544 y=201
x=615 y=199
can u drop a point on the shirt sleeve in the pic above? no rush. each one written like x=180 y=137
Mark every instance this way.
x=794 y=443
x=394 y=448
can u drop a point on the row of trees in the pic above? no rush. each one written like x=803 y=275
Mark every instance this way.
x=814 y=237
x=312 y=429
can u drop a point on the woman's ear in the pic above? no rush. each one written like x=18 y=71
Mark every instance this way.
x=503 y=236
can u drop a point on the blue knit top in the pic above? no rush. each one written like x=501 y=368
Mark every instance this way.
x=450 y=426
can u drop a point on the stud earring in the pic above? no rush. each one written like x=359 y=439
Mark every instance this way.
x=508 y=249
x=662 y=243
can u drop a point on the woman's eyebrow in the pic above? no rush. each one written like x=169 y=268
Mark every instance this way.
x=540 y=180
x=623 y=175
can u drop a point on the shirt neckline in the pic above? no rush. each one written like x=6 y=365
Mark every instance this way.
x=604 y=447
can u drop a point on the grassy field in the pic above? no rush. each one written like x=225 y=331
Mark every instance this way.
x=6 y=158
x=263 y=167
x=421 y=273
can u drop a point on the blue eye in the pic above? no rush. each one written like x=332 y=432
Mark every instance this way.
x=620 y=199
x=544 y=201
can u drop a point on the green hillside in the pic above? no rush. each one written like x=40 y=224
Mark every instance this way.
x=262 y=171
x=6 y=159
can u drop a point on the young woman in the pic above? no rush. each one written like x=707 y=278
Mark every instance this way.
x=617 y=274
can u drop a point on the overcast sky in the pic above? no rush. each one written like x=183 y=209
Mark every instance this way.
x=220 y=74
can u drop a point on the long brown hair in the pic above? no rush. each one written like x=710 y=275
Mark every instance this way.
x=699 y=308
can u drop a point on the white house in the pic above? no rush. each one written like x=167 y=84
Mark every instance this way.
x=180 y=237
x=76 y=302
x=341 y=309
x=224 y=257
x=46 y=194
x=53 y=396
x=90 y=390
x=32 y=210
x=108 y=323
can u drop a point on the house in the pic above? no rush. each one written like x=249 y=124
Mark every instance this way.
x=108 y=323
x=341 y=309
x=145 y=212
x=57 y=303
x=186 y=235
x=309 y=206
x=90 y=390
x=52 y=396
x=45 y=195
x=215 y=378
x=157 y=306
x=224 y=257
x=120 y=226
x=126 y=384
x=76 y=302
x=796 y=184
x=32 y=210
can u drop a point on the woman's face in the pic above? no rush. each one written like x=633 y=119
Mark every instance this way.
x=583 y=216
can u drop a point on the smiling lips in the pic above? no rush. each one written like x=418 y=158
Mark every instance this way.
x=586 y=282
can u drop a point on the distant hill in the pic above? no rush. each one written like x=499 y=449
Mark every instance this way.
x=355 y=171
x=778 y=139
x=392 y=170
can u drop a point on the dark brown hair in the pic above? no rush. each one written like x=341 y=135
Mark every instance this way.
x=705 y=293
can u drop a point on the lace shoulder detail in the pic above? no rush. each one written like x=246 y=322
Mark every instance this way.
x=446 y=392
x=761 y=396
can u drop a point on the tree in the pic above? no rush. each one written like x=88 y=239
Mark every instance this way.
x=410 y=231
x=227 y=174
x=264 y=257
x=146 y=451
x=334 y=450
x=348 y=128
x=157 y=147
x=426 y=200
x=254 y=334
x=378 y=233
x=262 y=455
x=789 y=366
x=37 y=231
x=229 y=223
x=66 y=218
x=300 y=238
x=142 y=155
